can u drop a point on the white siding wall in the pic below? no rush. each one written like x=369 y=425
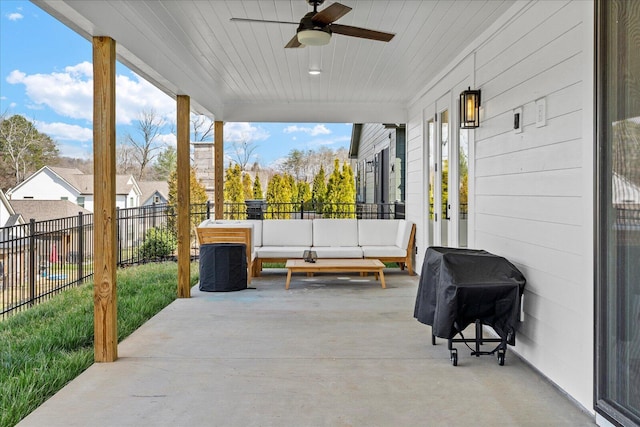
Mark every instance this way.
x=373 y=139
x=4 y=214
x=45 y=185
x=532 y=192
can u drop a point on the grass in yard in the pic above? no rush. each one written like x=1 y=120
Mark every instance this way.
x=45 y=347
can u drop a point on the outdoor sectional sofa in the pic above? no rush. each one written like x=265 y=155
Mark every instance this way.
x=276 y=240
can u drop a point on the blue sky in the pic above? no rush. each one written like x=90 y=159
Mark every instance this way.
x=46 y=76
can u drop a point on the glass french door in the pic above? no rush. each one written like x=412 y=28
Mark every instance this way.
x=447 y=183
x=437 y=128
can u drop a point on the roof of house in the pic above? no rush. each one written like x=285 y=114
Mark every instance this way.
x=14 y=219
x=82 y=182
x=42 y=210
x=148 y=188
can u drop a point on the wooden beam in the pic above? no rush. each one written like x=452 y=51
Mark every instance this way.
x=218 y=165
x=105 y=314
x=184 y=197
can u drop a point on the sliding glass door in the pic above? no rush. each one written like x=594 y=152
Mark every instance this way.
x=618 y=212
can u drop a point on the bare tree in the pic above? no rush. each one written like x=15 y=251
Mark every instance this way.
x=145 y=148
x=202 y=127
x=22 y=148
x=126 y=162
x=243 y=151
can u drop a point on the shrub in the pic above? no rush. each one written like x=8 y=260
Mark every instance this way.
x=158 y=243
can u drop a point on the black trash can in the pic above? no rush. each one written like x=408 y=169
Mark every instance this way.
x=223 y=267
x=254 y=209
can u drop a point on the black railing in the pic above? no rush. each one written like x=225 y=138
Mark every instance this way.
x=40 y=259
x=258 y=209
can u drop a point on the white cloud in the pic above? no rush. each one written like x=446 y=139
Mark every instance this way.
x=75 y=151
x=168 y=139
x=70 y=94
x=318 y=129
x=277 y=163
x=136 y=95
x=15 y=16
x=65 y=132
x=340 y=140
x=243 y=131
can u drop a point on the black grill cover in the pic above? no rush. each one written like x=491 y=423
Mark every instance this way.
x=458 y=286
x=223 y=267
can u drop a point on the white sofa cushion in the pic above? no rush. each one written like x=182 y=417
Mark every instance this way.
x=378 y=232
x=286 y=232
x=335 y=232
x=257 y=232
x=281 y=251
x=338 y=251
x=404 y=233
x=383 y=251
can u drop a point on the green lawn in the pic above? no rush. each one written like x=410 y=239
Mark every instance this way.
x=45 y=347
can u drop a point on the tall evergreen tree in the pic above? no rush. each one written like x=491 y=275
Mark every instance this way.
x=304 y=194
x=319 y=192
x=332 y=201
x=278 y=198
x=348 y=191
x=234 y=194
x=257 y=188
x=197 y=195
x=293 y=188
x=247 y=186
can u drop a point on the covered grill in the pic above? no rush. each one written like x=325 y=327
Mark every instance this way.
x=459 y=287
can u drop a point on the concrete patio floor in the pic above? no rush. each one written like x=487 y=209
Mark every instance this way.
x=331 y=351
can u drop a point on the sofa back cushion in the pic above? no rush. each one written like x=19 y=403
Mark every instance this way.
x=404 y=233
x=378 y=232
x=286 y=232
x=335 y=232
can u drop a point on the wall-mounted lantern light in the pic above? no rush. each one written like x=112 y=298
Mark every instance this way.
x=470 y=109
x=370 y=165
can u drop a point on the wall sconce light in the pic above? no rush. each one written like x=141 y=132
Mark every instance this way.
x=470 y=109
x=370 y=165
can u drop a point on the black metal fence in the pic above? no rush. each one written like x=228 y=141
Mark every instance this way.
x=259 y=209
x=40 y=259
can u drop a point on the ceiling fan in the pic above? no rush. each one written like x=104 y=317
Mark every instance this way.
x=315 y=28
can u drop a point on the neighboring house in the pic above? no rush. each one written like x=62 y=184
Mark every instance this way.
x=8 y=216
x=54 y=183
x=153 y=192
x=45 y=210
x=12 y=250
x=379 y=152
x=56 y=226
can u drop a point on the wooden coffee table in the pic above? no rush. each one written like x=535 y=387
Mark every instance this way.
x=338 y=265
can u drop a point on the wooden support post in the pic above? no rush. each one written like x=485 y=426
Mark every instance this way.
x=218 y=167
x=184 y=197
x=105 y=315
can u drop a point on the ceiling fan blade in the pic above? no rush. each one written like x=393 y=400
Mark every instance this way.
x=348 y=30
x=331 y=13
x=262 y=20
x=294 y=42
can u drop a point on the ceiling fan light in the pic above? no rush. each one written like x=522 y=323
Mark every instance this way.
x=314 y=37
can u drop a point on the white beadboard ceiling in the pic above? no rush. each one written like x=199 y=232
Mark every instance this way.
x=238 y=71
